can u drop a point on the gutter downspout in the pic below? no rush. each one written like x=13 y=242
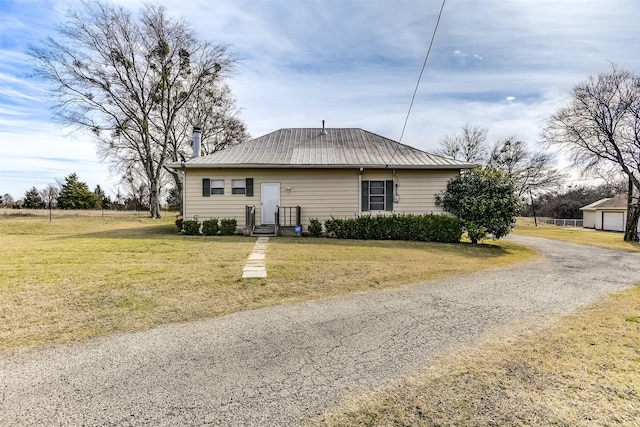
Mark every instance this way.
x=184 y=193
x=360 y=191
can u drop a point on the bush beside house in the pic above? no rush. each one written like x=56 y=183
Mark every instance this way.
x=209 y=227
x=425 y=228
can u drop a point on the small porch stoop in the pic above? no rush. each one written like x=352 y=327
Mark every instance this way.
x=264 y=231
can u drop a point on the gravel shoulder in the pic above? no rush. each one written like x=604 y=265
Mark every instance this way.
x=283 y=365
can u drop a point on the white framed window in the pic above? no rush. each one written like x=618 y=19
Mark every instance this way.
x=376 y=195
x=238 y=186
x=217 y=186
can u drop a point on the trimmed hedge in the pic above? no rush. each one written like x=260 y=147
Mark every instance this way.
x=191 y=227
x=228 y=227
x=210 y=227
x=424 y=228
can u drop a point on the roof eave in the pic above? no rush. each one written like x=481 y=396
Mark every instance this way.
x=290 y=166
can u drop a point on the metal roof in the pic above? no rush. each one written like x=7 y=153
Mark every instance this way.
x=324 y=148
x=616 y=202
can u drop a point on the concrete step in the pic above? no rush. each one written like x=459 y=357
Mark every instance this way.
x=264 y=230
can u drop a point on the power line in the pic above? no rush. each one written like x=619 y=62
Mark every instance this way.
x=415 y=91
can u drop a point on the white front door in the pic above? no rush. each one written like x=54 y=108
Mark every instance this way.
x=270 y=198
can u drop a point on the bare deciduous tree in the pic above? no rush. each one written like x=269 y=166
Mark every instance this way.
x=469 y=146
x=6 y=200
x=214 y=111
x=600 y=130
x=530 y=171
x=129 y=81
x=49 y=194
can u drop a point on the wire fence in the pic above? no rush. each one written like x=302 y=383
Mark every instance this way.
x=564 y=222
x=65 y=213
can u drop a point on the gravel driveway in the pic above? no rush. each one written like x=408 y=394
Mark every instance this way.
x=282 y=365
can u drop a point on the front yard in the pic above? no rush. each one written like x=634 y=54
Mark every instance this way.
x=83 y=276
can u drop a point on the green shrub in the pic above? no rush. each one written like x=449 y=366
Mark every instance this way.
x=485 y=200
x=190 y=227
x=228 y=226
x=425 y=228
x=210 y=227
x=315 y=227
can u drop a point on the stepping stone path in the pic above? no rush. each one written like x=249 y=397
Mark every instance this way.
x=255 y=267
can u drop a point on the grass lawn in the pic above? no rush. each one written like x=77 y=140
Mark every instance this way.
x=603 y=239
x=82 y=276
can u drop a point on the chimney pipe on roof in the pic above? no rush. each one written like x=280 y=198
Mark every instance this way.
x=323 y=132
x=196 y=141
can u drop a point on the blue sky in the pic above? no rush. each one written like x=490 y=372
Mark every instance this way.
x=505 y=65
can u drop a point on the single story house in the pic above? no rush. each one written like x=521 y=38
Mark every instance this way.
x=283 y=179
x=607 y=214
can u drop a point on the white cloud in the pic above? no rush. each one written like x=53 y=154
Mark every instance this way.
x=38 y=153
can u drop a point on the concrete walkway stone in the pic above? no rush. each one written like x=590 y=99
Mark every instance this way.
x=255 y=267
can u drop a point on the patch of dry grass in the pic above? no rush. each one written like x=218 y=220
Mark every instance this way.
x=583 y=236
x=579 y=370
x=82 y=276
x=311 y=267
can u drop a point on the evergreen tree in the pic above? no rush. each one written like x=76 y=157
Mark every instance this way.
x=32 y=199
x=75 y=194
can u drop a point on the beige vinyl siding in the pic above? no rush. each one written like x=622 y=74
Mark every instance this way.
x=320 y=193
x=416 y=189
x=219 y=206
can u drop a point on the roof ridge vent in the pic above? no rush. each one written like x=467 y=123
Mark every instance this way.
x=323 y=132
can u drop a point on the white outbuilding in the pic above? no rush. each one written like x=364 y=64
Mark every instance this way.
x=607 y=214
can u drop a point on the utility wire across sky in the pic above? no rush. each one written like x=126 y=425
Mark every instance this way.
x=415 y=91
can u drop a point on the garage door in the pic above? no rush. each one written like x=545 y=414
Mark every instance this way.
x=613 y=221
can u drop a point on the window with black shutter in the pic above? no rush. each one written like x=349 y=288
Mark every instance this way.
x=217 y=186
x=212 y=186
x=238 y=186
x=377 y=195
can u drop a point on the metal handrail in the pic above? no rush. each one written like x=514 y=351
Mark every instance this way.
x=285 y=216
x=250 y=217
